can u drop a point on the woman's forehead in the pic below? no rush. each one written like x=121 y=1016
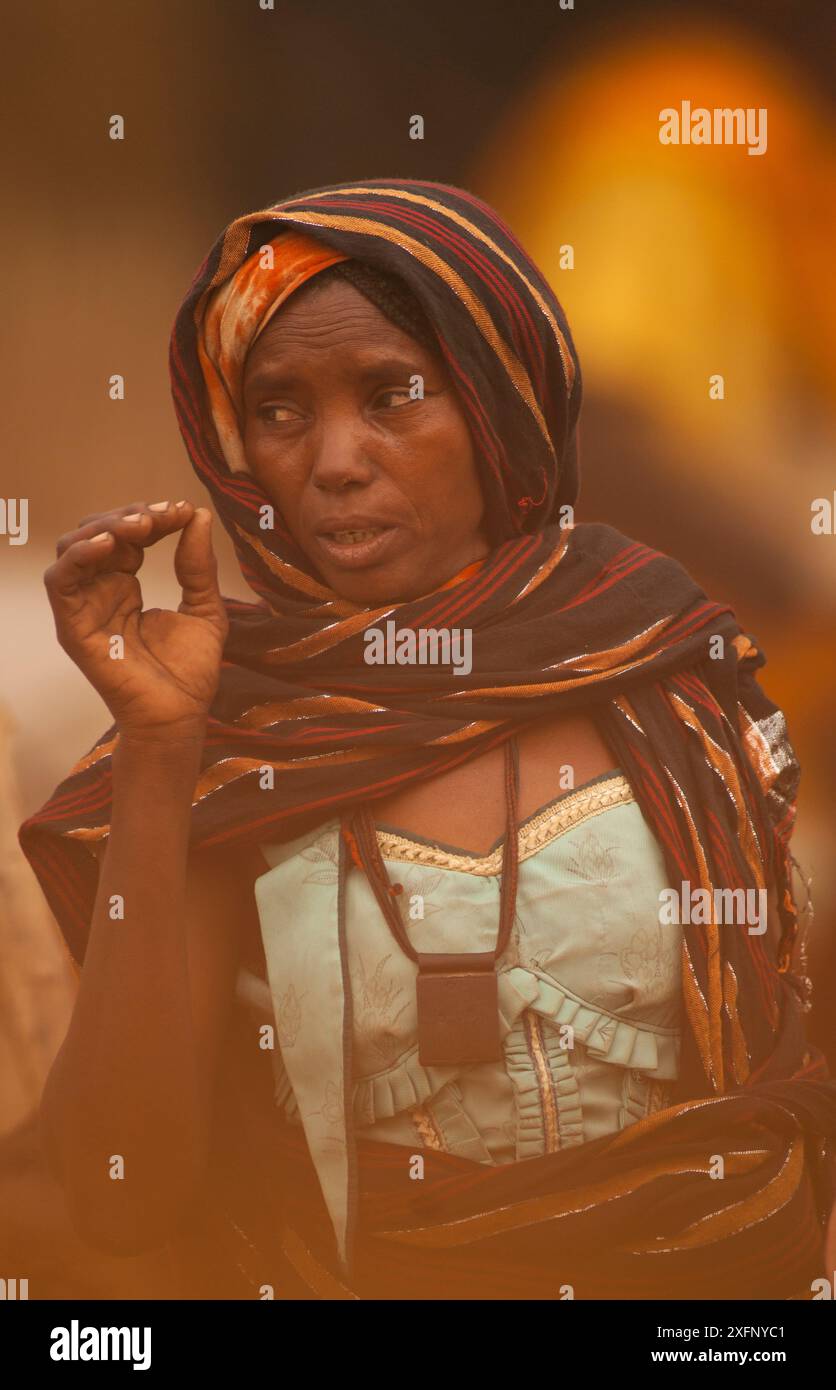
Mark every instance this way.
x=339 y=319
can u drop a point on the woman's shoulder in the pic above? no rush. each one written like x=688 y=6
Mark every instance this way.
x=597 y=541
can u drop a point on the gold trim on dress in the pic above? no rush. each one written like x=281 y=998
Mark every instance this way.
x=542 y=1073
x=532 y=835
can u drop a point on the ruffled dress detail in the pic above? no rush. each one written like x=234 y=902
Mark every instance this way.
x=589 y=988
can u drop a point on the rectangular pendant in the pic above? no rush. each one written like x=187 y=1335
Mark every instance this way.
x=458 y=1018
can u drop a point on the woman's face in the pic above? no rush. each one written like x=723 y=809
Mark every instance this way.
x=336 y=442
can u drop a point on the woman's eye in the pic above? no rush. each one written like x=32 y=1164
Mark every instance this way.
x=283 y=414
x=272 y=413
x=400 y=391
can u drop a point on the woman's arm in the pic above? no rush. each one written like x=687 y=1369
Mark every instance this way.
x=126 y=1107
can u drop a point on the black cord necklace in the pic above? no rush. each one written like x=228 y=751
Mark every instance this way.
x=457 y=994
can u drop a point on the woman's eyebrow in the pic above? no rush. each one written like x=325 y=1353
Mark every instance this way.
x=278 y=376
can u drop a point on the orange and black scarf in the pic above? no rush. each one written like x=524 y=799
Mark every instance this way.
x=563 y=617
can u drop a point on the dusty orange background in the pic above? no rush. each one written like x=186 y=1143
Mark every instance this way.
x=688 y=262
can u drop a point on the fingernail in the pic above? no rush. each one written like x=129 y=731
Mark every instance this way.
x=158 y=507
x=133 y=516
x=102 y=536
x=184 y=503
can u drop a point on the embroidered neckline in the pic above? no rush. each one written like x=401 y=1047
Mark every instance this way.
x=562 y=814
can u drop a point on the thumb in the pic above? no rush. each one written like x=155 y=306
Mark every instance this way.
x=196 y=567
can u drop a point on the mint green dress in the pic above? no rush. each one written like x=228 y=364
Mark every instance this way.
x=589 y=988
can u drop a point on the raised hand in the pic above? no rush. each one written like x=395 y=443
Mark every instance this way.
x=164 y=680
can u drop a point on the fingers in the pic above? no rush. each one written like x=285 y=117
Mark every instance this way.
x=134 y=527
x=110 y=511
x=109 y=542
x=78 y=564
x=68 y=582
x=197 y=569
x=115 y=541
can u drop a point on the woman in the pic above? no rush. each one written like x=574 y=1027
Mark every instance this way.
x=381 y=996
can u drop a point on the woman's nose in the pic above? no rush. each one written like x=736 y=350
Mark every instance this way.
x=341 y=457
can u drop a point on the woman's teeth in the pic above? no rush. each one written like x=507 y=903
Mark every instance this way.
x=354 y=537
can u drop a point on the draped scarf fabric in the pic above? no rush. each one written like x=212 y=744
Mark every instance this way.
x=236 y=314
x=564 y=617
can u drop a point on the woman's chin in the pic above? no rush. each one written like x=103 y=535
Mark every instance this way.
x=376 y=591
x=375 y=585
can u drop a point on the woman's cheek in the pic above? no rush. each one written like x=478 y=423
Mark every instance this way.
x=273 y=468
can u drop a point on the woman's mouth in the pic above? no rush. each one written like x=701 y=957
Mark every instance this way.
x=352 y=549
x=353 y=537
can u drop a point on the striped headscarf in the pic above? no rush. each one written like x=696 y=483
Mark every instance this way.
x=563 y=617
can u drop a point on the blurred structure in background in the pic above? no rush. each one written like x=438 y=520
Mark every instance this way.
x=688 y=262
